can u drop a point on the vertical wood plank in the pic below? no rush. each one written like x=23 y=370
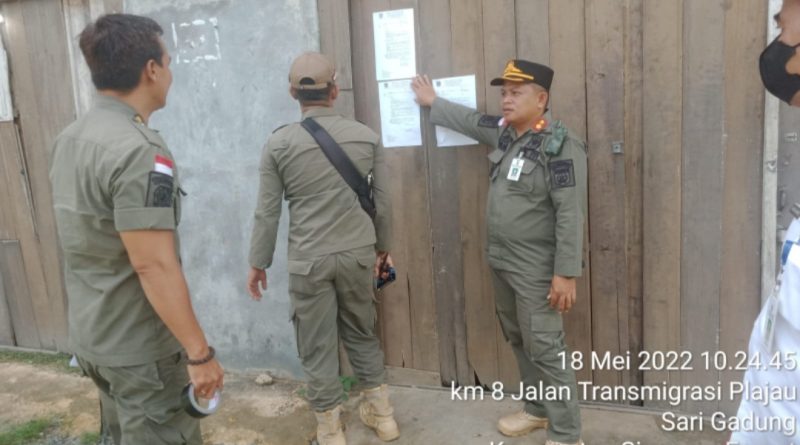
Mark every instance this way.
x=533 y=30
x=662 y=42
x=16 y=197
x=415 y=189
x=407 y=310
x=435 y=51
x=78 y=14
x=499 y=45
x=633 y=181
x=393 y=312
x=8 y=142
x=605 y=99
x=6 y=326
x=20 y=308
x=568 y=103
x=113 y=6
x=741 y=225
x=466 y=23
x=345 y=104
x=774 y=117
x=703 y=155
x=334 y=38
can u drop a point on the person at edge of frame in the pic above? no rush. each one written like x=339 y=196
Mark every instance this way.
x=535 y=219
x=116 y=195
x=775 y=337
x=335 y=249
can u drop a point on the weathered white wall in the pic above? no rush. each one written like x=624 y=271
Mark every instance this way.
x=230 y=67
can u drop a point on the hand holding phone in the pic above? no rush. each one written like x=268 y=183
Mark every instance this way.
x=385 y=272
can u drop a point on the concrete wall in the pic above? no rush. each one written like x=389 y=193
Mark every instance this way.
x=230 y=66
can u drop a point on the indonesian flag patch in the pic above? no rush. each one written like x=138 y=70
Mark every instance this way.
x=163 y=165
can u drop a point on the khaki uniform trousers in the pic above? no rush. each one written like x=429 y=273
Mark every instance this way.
x=142 y=404
x=332 y=297
x=536 y=334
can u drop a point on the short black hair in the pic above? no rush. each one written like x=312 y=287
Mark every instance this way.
x=117 y=47
x=308 y=96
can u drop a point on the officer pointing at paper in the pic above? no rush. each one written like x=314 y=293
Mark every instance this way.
x=535 y=217
x=338 y=242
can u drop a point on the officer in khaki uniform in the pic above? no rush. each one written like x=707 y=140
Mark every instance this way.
x=333 y=242
x=117 y=197
x=535 y=215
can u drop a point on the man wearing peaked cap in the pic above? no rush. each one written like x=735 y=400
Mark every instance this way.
x=525 y=71
x=535 y=218
x=336 y=248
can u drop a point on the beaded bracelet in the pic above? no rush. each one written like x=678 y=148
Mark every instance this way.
x=204 y=360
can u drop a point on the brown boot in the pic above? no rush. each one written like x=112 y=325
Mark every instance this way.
x=377 y=413
x=520 y=424
x=329 y=427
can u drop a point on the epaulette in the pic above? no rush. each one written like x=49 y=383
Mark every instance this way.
x=273 y=131
x=149 y=134
x=559 y=134
x=490 y=121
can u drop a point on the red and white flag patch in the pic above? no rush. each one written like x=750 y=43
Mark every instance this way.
x=163 y=165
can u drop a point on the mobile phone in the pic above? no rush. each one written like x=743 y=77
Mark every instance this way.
x=380 y=282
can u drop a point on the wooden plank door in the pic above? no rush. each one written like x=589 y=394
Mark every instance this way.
x=35 y=39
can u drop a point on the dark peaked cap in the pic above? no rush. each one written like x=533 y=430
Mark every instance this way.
x=518 y=70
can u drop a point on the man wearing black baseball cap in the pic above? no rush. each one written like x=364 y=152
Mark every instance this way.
x=535 y=217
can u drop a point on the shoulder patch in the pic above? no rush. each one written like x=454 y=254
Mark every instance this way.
x=489 y=121
x=159 y=190
x=562 y=174
x=273 y=131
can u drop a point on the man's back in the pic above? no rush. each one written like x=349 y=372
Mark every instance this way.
x=325 y=215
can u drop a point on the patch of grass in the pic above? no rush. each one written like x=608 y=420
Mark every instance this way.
x=348 y=382
x=58 y=362
x=26 y=433
x=90 y=439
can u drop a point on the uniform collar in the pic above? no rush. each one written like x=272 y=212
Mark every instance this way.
x=320 y=112
x=544 y=131
x=109 y=103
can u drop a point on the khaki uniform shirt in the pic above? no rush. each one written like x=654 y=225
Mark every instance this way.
x=106 y=180
x=324 y=213
x=535 y=224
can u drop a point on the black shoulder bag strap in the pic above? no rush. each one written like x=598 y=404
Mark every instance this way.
x=342 y=163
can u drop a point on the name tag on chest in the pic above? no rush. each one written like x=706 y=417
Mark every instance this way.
x=515 y=170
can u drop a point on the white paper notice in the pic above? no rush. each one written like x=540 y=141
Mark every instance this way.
x=395 y=55
x=400 y=125
x=460 y=90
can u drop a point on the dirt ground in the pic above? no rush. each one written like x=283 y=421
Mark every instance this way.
x=278 y=415
x=250 y=414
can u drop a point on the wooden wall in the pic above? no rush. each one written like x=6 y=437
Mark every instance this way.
x=674 y=227
x=673 y=236
x=32 y=287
